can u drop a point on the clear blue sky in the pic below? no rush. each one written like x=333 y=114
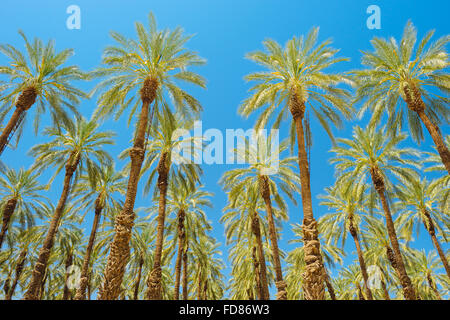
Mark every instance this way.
x=224 y=32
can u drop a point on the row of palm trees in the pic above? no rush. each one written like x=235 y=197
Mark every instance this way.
x=146 y=73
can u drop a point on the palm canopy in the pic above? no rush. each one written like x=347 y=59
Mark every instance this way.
x=104 y=184
x=156 y=54
x=346 y=205
x=165 y=140
x=24 y=186
x=297 y=68
x=44 y=70
x=192 y=199
x=371 y=149
x=420 y=198
x=80 y=141
x=392 y=67
x=239 y=213
x=263 y=162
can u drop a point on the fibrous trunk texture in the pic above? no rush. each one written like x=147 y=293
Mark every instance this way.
x=120 y=247
x=7 y=214
x=313 y=276
x=261 y=258
x=280 y=283
x=24 y=102
x=84 y=277
x=19 y=270
x=154 y=291
x=178 y=263
x=44 y=254
x=429 y=226
x=184 y=280
x=138 y=280
x=362 y=263
x=405 y=281
x=415 y=103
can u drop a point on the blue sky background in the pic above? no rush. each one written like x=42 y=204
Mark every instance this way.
x=224 y=32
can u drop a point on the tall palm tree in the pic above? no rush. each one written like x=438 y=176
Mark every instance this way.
x=160 y=161
x=20 y=192
x=18 y=255
x=266 y=175
x=345 y=217
x=296 y=78
x=423 y=268
x=420 y=200
x=38 y=75
x=399 y=72
x=188 y=201
x=96 y=192
x=207 y=273
x=77 y=149
x=372 y=155
x=242 y=219
x=153 y=64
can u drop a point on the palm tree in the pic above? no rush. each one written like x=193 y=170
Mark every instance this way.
x=96 y=193
x=396 y=72
x=371 y=154
x=20 y=192
x=420 y=199
x=160 y=158
x=188 y=201
x=266 y=175
x=77 y=149
x=148 y=65
x=17 y=256
x=424 y=275
x=296 y=78
x=207 y=274
x=345 y=217
x=242 y=219
x=39 y=75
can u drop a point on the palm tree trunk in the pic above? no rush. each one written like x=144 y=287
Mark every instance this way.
x=280 y=283
x=313 y=284
x=154 y=279
x=67 y=291
x=360 y=294
x=415 y=103
x=81 y=291
x=405 y=281
x=138 y=280
x=261 y=258
x=7 y=214
x=329 y=285
x=385 y=290
x=181 y=239
x=44 y=254
x=7 y=282
x=184 y=280
x=19 y=270
x=199 y=284
x=429 y=225
x=433 y=287
x=42 y=285
x=362 y=263
x=120 y=247
x=205 y=290
x=26 y=99
x=256 y=271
